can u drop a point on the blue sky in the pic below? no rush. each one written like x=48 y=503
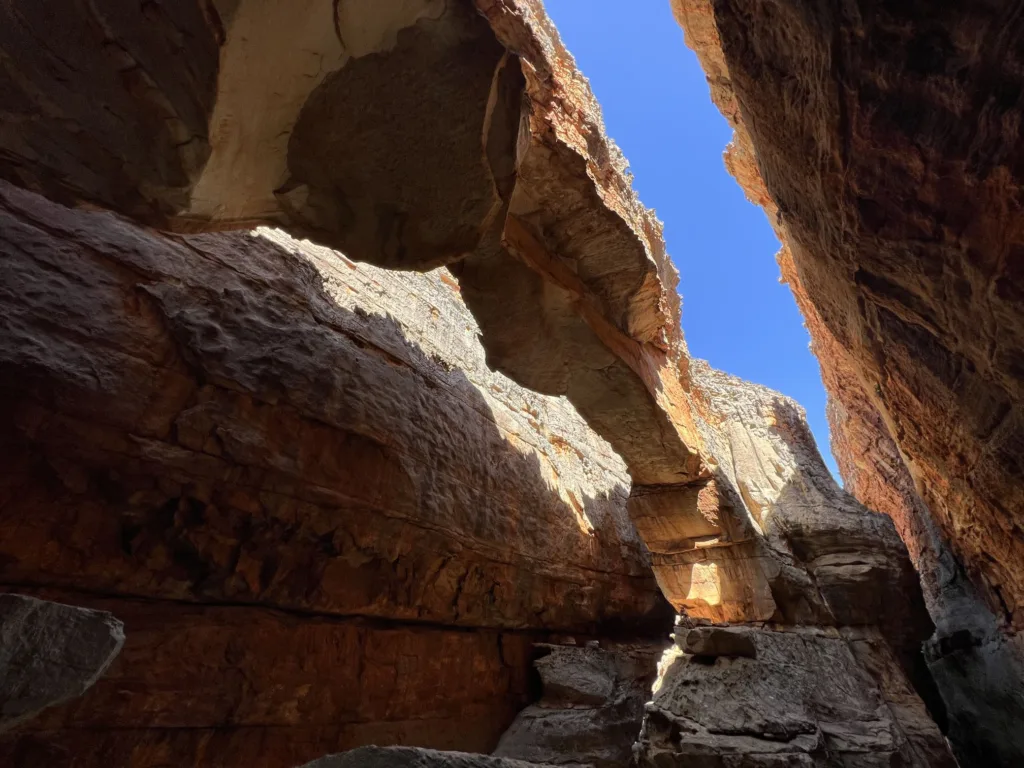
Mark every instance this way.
x=658 y=109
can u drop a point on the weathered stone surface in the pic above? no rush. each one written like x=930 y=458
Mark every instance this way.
x=831 y=680
x=230 y=426
x=486 y=116
x=266 y=433
x=489 y=155
x=977 y=669
x=50 y=653
x=246 y=685
x=880 y=142
x=798 y=550
x=399 y=757
x=809 y=698
x=979 y=673
x=591 y=709
x=216 y=419
x=732 y=642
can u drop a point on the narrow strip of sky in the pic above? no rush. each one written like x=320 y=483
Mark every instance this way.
x=658 y=109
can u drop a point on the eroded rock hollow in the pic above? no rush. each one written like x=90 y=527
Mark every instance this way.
x=340 y=361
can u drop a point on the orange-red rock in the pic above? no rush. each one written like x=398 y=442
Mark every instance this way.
x=322 y=518
x=882 y=142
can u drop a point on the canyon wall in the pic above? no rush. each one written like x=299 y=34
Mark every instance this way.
x=489 y=156
x=336 y=505
x=882 y=142
x=801 y=641
x=323 y=520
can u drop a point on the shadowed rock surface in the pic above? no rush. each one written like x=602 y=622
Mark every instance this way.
x=818 y=662
x=357 y=520
x=488 y=155
x=399 y=757
x=50 y=653
x=806 y=698
x=882 y=140
x=323 y=520
x=591 y=708
x=801 y=550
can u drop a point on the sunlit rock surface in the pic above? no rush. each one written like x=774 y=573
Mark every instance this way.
x=322 y=519
x=816 y=616
x=488 y=155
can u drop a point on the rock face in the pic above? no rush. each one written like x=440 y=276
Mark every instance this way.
x=589 y=716
x=788 y=698
x=821 y=657
x=50 y=653
x=299 y=485
x=977 y=666
x=881 y=141
x=591 y=709
x=801 y=551
x=489 y=156
x=325 y=519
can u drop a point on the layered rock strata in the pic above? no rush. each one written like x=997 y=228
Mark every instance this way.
x=324 y=521
x=881 y=142
x=802 y=635
x=488 y=155
x=220 y=422
x=787 y=697
x=591 y=708
x=50 y=653
x=800 y=644
x=588 y=716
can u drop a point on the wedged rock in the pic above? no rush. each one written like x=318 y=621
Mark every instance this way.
x=214 y=420
x=733 y=642
x=50 y=653
x=820 y=661
x=809 y=698
x=408 y=757
x=591 y=709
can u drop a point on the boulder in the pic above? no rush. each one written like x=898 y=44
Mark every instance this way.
x=50 y=653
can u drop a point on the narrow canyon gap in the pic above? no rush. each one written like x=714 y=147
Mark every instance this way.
x=336 y=505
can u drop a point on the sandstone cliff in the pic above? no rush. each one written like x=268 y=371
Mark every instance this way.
x=301 y=488
x=882 y=143
x=336 y=505
x=814 y=657
x=487 y=155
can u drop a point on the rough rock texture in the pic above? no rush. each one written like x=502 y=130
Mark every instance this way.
x=50 y=653
x=822 y=659
x=977 y=667
x=591 y=709
x=488 y=155
x=404 y=757
x=882 y=141
x=228 y=423
x=803 y=698
x=801 y=551
x=334 y=517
